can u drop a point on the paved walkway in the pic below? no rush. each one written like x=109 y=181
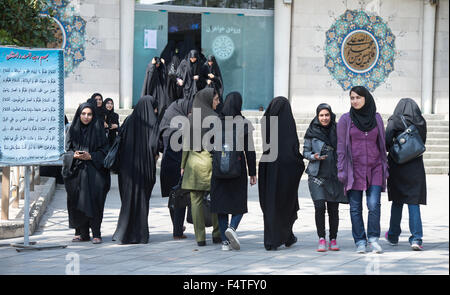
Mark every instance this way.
x=163 y=255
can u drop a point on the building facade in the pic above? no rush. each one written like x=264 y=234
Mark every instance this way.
x=308 y=51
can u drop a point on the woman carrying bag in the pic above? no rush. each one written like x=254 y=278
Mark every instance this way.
x=171 y=162
x=407 y=182
x=196 y=166
x=229 y=195
x=326 y=190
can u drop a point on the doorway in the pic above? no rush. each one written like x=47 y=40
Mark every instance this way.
x=185 y=29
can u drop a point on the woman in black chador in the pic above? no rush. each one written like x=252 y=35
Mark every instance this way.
x=212 y=76
x=86 y=180
x=96 y=101
x=188 y=75
x=155 y=84
x=171 y=162
x=279 y=180
x=174 y=91
x=111 y=120
x=137 y=171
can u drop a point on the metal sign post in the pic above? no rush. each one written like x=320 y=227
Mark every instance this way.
x=27 y=245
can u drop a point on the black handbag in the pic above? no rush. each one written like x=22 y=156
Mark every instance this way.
x=206 y=211
x=408 y=145
x=111 y=161
x=179 y=198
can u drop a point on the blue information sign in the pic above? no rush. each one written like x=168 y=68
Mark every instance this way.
x=31 y=105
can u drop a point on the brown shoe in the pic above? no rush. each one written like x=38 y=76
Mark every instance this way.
x=179 y=237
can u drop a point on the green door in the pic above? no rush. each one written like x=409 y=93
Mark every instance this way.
x=150 y=38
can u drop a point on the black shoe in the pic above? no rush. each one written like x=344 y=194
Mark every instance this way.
x=201 y=244
x=291 y=241
x=217 y=240
x=270 y=248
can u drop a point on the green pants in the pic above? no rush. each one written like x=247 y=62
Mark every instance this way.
x=199 y=219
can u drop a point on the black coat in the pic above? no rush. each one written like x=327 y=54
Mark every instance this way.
x=279 y=180
x=407 y=182
x=87 y=182
x=229 y=196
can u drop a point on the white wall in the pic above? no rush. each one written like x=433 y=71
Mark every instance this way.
x=441 y=61
x=99 y=72
x=311 y=82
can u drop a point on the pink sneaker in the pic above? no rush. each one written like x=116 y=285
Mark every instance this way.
x=333 y=245
x=322 y=245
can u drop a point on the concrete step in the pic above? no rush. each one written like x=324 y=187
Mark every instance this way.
x=436 y=170
x=436 y=155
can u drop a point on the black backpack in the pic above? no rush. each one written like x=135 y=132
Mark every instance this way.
x=226 y=163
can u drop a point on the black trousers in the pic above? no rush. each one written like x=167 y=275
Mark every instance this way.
x=177 y=216
x=83 y=230
x=333 y=217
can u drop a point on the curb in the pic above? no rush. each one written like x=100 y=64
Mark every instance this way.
x=15 y=228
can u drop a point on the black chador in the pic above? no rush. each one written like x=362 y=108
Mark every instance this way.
x=87 y=182
x=279 y=180
x=155 y=84
x=211 y=72
x=137 y=171
x=189 y=69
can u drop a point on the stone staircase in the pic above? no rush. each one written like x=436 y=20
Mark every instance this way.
x=436 y=157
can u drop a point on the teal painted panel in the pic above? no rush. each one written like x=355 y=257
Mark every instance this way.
x=146 y=20
x=243 y=46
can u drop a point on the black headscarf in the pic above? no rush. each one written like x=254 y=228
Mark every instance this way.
x=99 y=111
x=413 y=116
x=85 y=137
x=287 y=128
x=327 y=133
x=364 y=118
x=202 y=101
x=232 y=105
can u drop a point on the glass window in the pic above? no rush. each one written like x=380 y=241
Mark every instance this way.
x=243 y=47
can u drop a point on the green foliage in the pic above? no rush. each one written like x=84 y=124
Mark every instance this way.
x=22 y=23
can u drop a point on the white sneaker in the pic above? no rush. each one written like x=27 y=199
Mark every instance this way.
x=376 y=247
x=226 y=246
x=361 y=249
x=233 y=238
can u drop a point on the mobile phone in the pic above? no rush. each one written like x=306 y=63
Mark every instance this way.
x=81 y=152
x=323 y=157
